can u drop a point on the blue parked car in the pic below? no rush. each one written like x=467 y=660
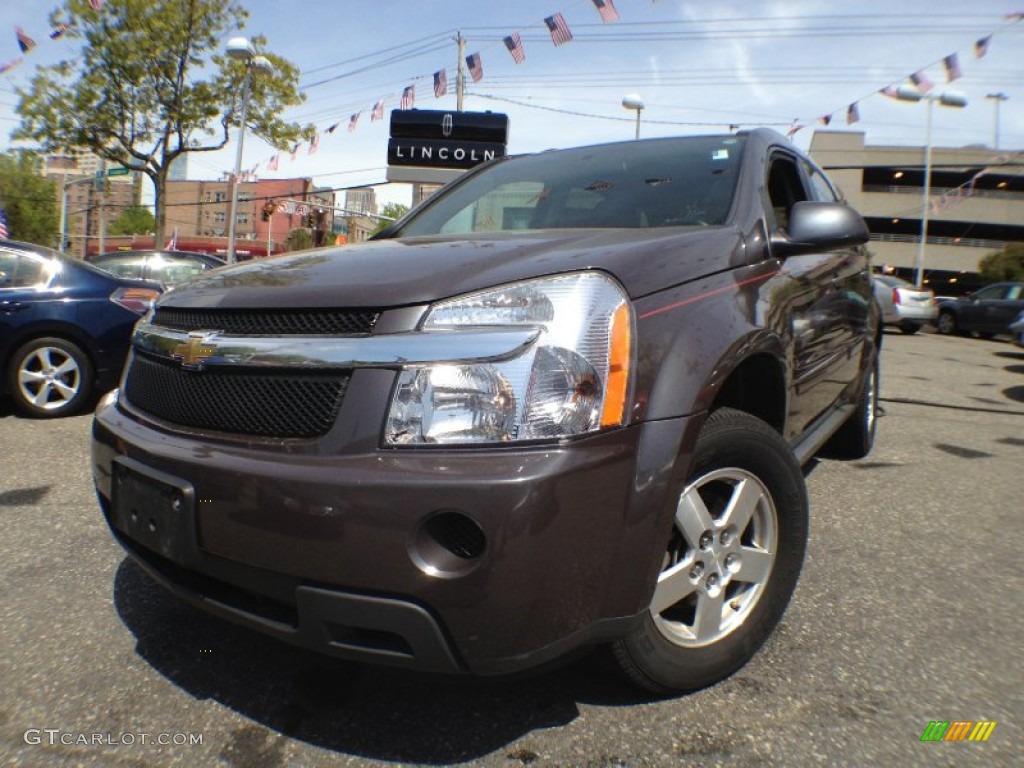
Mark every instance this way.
x=65 y=328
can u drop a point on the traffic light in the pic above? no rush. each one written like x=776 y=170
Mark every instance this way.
x=268 y=209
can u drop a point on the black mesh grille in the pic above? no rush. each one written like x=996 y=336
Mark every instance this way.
x=269 y=322
x=243 y=402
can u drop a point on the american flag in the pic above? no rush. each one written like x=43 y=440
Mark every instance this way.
x=981 y=46
x=378 y=111
x=825 y=119
x=852 y=114
x=295 y=149
x=272 y=162
x=4 y=234
x=59 y=30
x=440 y=83
x=314 y=143
x=952 y=65
x=607 y=10
x=514 y=43
x=408 y=97
x=922 y=81
x=25 y=42
x=333 y=128
x=559 y=30
x=10 y=64
x=352 y=121
x=889 y=90
x=476 y=67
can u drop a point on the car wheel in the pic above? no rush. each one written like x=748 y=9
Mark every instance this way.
x=909 y=328
x=731 y=561
x=50 y=377
x=856 y=437
x=946 y=323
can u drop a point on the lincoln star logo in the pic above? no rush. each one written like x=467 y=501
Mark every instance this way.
x=193 y=352
x=446 y=125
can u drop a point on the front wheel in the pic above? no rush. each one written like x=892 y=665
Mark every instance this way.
x=731 y=561
x=50 y=377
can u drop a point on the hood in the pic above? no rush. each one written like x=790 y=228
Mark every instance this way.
x=420 y=270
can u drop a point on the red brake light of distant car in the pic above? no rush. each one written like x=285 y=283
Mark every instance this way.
x=138 y=300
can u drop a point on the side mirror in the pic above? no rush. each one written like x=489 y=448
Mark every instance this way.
x=817 y=226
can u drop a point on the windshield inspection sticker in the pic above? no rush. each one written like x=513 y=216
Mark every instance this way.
x=720 y=154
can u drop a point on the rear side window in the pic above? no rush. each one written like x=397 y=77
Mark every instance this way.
x=173 y=270
x=127 y=266
x=821 y=188
x=19 y=270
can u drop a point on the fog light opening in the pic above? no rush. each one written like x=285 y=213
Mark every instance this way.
x=448 y=543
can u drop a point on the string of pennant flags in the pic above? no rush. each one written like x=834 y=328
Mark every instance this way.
x=561 y=34
x=919 y=79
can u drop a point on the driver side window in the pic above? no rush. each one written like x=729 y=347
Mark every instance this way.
x=785 y=188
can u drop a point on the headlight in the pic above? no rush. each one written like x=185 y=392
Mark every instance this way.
x=571 y=381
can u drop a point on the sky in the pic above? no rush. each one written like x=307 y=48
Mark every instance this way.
x=699 y=67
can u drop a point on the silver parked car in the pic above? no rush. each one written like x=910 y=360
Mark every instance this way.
x=903 y=304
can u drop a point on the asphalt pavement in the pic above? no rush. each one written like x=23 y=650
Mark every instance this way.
x=909 y=611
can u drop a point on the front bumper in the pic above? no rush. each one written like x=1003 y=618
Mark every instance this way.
x=342 y=550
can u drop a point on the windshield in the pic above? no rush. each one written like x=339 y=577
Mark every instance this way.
x=654 y=183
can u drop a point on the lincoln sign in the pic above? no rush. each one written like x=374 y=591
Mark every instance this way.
x=427 y=138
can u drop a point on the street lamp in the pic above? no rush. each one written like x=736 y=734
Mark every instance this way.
x=946 y=99
x=240 y=48
x=633 y=101
x=997 y=98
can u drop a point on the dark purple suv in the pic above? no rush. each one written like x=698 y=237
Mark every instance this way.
x=563 y=403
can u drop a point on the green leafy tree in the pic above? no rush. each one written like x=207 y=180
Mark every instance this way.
x=1007 y=264
x=299 y=239
x=151 y=83
x=28 y=199
x=392 y=211
x=134 y=220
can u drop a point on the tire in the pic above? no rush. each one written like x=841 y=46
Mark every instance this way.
x=726 y=575
x=946 y=323
x=909 y=328
x=856 y=437
x=50 y=377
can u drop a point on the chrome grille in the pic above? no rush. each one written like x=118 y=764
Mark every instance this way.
x=269 y=322
x=242 y=401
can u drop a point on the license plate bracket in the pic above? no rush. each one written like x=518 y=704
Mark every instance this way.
x=155 y=510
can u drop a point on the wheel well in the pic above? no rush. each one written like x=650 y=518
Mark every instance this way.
x=756 y=386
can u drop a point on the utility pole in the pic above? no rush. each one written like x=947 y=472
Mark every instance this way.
x=460 y=77
x=103 y=207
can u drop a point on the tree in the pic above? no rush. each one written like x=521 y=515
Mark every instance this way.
x=392 y=211
x=28 y=199
x=299 y=239
x=134 y=220
x=150 y=85
x=1007 y=264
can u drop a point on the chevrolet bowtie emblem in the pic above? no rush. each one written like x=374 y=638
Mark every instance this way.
x=193 y=352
